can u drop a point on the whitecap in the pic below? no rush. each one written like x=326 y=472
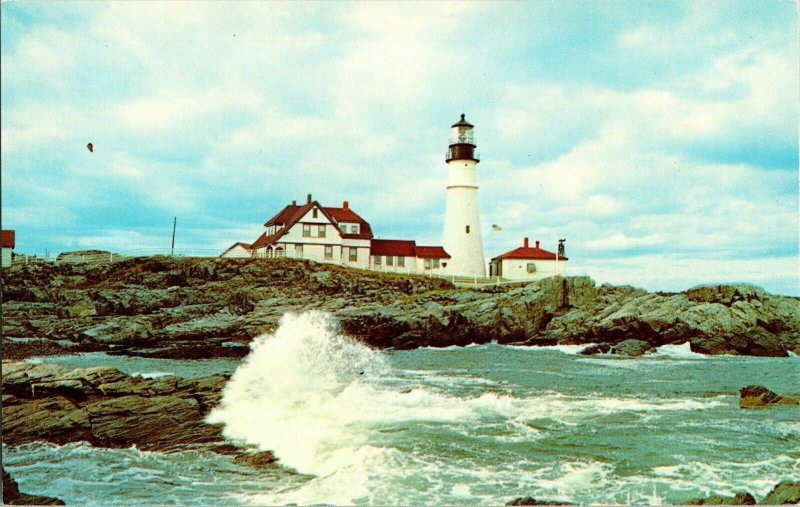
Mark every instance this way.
x=679 y=350
x=154 y=374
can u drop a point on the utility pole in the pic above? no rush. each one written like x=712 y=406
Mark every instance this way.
x=174 y=223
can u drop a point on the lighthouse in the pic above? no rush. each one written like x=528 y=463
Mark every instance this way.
x=462 y=226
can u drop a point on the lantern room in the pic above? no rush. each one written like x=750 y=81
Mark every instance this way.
x=462 y=142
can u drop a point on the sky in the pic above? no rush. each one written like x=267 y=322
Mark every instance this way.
x=659 y=138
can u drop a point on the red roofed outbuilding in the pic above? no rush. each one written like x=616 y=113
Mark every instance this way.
x=8 y=240
x=527 y=263
x=404 y=256
x=239 y=250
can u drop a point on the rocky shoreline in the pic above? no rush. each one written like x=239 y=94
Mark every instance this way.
x=206 y=308
x=13 y=496
x=202 y=308
x=108 y=408
x=784 y=493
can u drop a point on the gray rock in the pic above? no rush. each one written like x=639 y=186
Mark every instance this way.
x=152 y=423
x=759 y=396
x=12 y=495
x=632 y=348
x=738 y=499
x=105 y=407
x=187 y=308
x=598 y=348
x=528 y=500
x=785 y=493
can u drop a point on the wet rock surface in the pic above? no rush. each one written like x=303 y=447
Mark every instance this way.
x=528 y=500
x=784 y=493
x=12 y=495
x=107 y=408
x=759 y=396
x=202 y=308
x=737 y=499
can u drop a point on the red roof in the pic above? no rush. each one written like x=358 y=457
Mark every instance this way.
x=527 y=253
x=246 y=246
x=289 y=215
x=406 y=248
x=8 y=239
x=292 y=213
x=399 y=247
x=265 y=240
x=431 y=252
x=350 y=216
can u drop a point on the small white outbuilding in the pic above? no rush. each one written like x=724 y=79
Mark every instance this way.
x=8 y=243
x=527 y=263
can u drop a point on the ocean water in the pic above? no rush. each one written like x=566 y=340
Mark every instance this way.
x=473 y=425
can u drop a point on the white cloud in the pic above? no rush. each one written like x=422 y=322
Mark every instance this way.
x=224 y=114
x=620 y=241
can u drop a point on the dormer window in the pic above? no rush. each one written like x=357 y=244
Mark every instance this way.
x=354 y=229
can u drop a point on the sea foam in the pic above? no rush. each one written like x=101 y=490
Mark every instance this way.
x=682 y=350
x=320 y=400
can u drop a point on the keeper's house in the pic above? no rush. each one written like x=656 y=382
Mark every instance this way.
x=526 y=263
x=338 y=236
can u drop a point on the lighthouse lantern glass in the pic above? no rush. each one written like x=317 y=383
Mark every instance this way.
x=462 y=134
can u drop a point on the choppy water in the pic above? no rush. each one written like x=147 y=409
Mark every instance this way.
x=473 y=425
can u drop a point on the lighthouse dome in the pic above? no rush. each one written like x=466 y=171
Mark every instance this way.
x=463 y=123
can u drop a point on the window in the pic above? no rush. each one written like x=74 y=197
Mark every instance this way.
x=298 y=251
x=314 y=213
x=427 y=264
x=467 y=229
x=329 y=252
x=389 y=260
x=531 y=267
x=354 y=229
x=306 y=230
x=401 y=262
x=376 y=259
x=436 y=263
x=353 y=254
x=321 y=231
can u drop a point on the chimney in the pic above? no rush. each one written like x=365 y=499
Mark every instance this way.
x=309 y=199
x=537 y=244
x=345 y=205
x=294 y=203
x=525 y=243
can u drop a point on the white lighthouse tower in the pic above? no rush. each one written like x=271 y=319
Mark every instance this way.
x=462 y=226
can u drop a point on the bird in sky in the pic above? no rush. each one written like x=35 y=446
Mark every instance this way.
x=91 y=147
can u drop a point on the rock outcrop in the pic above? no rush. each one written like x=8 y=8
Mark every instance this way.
x=759 y=396
x=12 y=495
x=105 y=407
x=200 y=308
x=737 y=499
x=785 y=493
x=528 y=500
